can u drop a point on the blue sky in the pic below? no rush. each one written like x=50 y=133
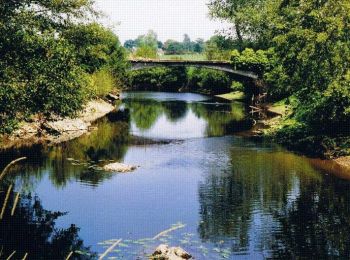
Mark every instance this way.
x=170 y=19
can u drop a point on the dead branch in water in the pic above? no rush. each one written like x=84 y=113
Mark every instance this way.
x=5 y=201
x=10 y=256
x=3 y=173
x=163 y=233
x=109 y=249
x=15 y=204
x=69 y=255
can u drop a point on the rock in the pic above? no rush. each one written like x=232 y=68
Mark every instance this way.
x=172 y=253
x=119 y=167
x=112 y=97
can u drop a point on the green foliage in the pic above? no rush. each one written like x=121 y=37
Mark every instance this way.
x=246 y=15
x=308 y=56
x=158 y=78
x=67 y=92
x=208 y=81
x=237 y=86
x=172 y=47
x=204 y=81
x=47 y=51
x=147 y=45
x=250 y=60
x=219 y=48
x=315 y=57
x=103 y=82
x=94 y=45
x=145 y=51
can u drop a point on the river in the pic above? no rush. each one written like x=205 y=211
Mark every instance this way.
x=228 y=196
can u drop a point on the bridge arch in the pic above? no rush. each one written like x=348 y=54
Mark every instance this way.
x=215 y=65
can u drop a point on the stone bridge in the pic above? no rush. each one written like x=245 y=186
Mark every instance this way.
x=216 y=65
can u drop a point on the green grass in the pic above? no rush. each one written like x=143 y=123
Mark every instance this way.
x=184 y=57
x=236 y=95
x=103 y=82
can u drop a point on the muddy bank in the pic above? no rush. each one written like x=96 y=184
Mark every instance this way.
x=57 y=130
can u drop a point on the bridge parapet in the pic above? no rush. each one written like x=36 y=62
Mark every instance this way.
x=225 y=66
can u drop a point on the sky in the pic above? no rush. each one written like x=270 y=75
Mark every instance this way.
x=170 y=19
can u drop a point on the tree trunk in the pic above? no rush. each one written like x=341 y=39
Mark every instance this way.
x=239 y=35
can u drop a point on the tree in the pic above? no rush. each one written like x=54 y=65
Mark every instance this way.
x=312 y=43
x=36 y=61
x=130 y=44
x=172 y=47
x=47 y=50
x=187 y=44
x=247 y=16
x=147 y=45
x=198 y=45
x=218 y=48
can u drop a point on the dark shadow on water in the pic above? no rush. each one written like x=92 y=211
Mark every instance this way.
x=32 y=230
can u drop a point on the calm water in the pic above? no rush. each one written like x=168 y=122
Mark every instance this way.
x=234 y=197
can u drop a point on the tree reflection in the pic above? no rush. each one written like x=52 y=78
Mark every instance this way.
x=144 y=113
x=108 y=142
x=32 y=230
x=222 y=119
x=175 y=111
x=317 y=224
x=256 y=191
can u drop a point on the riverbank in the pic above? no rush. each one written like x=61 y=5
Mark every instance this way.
x=57 y=130
x=272 y=124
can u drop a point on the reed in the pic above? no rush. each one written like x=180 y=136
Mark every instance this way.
x=15 y=204
x=5 y=201
x=163 y=233
x=10 y=256
x=69 y=255
x=109 y=249
x=3 y=173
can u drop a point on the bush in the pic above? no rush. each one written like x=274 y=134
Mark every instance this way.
x=256 y=61
x=329 y=113
x=57 y=84
x=208 y=81
x=103 y=82
x=237 y=86
x=158 y=79
x=10 y=105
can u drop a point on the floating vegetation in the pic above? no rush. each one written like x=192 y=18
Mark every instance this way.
x=110 y=249
x=173 y=228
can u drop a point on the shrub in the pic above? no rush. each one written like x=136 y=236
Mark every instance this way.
x=256 y=61
x=103 y=82
x=208 y=81
x=237 y=86
x=159 y=78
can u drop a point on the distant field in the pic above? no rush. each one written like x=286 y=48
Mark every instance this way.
x=183 y=57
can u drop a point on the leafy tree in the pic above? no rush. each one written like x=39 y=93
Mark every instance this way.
x=47 y=49
x=172 y=47
x=198 y=45
x=147 y=45
x=187 y=44
x=94 y=44
x=313 y=46
x=229 y=10
x=130 y=44
x=219 y=47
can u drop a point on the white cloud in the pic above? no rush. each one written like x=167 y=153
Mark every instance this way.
x=170 y=19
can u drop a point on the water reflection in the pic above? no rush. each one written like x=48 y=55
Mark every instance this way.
x=238 y=197
x=275 y=203
x=31 y=230
x=75 y=160
x=199 y=116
